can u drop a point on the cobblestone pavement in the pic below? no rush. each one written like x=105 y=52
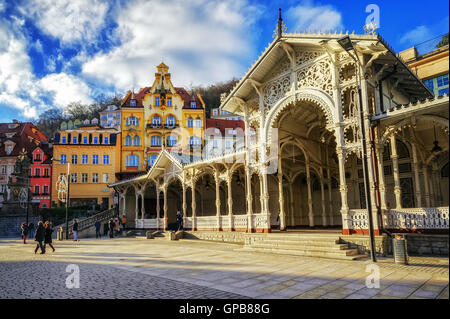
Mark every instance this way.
x=140 y=268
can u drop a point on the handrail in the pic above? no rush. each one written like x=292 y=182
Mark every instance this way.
x=89 y=221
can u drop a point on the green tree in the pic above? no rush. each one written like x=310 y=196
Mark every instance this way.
x=443 y=42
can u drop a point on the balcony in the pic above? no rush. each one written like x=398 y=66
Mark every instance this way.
x=161 y=126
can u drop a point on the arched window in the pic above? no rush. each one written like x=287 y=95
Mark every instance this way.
x=156 y=101
x=444 y=171
x=132 y=161
x=198 y=122
x=171 y=140
x=128 y=141
x=156 y=120
x=171 y=121
x=194 y=140
x=151 y=160
x=190 y=122
x=136 y=141
x=402 y=150
x=155 y=140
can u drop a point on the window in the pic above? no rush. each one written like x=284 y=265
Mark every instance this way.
x=151 y=160
x=36 y=190
x=198 y=122
x=45 y=190
x=73 y=177
x=94 y=159
x=171 y=140
x=190 y=122
x=105 y=159
x=156 y=121
x=63 y=139
x=63 y=159
x=85 y=140
x=95 y=139
x=132 y=161
x=37 y=172
x=169 y=101
x=442 y=80
x=46 y=172
x=84 y=177
x=133 y=102
x=105 y=140
x=84 y=159
x=74 y=159
x=74 y=140
x=136 y=141
x=215 y=112
x=156 y=101
x=155 y=140
x=4 y=169
x=133 y=121
x=105 y=177
x=94 y=177
x=171 y=121
x=439 y=85
x=193 y=105
x=194 y=140
x=128 y=141
x=37 y=157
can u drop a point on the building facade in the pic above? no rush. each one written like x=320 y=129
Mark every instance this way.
x=89 y=156
x=15 y=137
x=40 y=173
x=219 y=114
x=110 y=117
x=303 y=167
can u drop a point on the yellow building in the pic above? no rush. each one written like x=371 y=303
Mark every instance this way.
x=91 y=154
x=430 y=65
x=173 y=119
x=132 y=128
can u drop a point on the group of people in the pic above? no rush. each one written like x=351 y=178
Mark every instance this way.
x=43 y=235
x=113 y=227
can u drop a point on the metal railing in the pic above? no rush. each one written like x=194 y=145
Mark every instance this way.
x=89 y=221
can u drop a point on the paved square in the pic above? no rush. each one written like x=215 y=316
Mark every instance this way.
x=193 y=269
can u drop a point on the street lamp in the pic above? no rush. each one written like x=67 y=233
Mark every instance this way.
x=347 y=45
x=67 y=195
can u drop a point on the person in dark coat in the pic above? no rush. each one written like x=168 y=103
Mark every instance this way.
x=31 y=230
x=24 y=230
x=105 y=228
x=48 y=235
x=40 y=237
x=97 y=225
x=112 y=224
x=75 y=230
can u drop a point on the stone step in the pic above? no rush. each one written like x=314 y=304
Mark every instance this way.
x=308 y=253
x=337 y=249
x=302 y=242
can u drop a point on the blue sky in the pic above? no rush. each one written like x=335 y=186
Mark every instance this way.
x=53 y=52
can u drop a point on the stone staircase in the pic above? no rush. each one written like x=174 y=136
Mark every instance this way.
x=311 y=245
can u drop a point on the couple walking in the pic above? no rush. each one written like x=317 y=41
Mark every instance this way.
x=43 y=236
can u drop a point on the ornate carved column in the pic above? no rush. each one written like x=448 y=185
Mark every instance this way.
x=184 y=206
x=143 y=204
x=291 y=202
x=261 y=195
x=248 y=180
x=281 y=195
x=124 y=202
x=158 y=208
x=310 y=204
x=165 y=206
x=136 y=208
x=230 y=199
x=266 y=201
x=343 y=191
x=397 y=188
x=330 y=201
x=437 y=184
x=427 y=185
x=382 y=183
x=194 y=206
x=216 y=178
x=418 y=191
x=324 y=210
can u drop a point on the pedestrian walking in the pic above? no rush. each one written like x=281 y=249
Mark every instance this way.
x=40 y=237
x=97 y=225
x=75 y=230
x=111 y=228
x=116 y=226
x=124 y=221
x=48 y=235
x=31 y=230
x=24 y=231
x=106 y=228
x=180 y=220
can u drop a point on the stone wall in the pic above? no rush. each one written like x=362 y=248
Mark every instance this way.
x=223 y=236
x=383 y=245
x=432 y=245
x=10 y=225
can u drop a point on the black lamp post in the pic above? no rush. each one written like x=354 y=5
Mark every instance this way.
x=347 y=45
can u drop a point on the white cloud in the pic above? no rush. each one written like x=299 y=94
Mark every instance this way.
x=67 y=20
x=417 y=35
x=308 y=16
x=65 y=88
x=2 y=5
x=200 y=42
